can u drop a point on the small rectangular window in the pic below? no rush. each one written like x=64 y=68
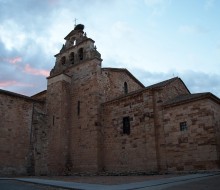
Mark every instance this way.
x=126 y=125
x=183 y=126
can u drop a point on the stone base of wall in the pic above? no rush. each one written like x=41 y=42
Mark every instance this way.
x=12 y=171
x=195 y=167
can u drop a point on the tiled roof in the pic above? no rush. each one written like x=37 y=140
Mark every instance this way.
x=40 y=96
x=190 y=97
x=151 y=87
x=40 y=93
x=163 y=83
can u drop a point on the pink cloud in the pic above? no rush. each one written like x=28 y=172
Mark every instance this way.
x=28 y=69
x=13 y=60
x=13 y=83
x=7 y=83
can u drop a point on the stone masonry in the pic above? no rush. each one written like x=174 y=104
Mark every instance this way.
x=20 y=149
x=103 y=120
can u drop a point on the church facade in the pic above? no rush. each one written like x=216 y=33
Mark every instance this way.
x=94 y=120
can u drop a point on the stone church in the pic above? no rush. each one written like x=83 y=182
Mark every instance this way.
x=103 y=120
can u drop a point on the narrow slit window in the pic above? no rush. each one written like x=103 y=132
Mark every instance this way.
x=126 y=125
x=53 y=119
x=78 y=108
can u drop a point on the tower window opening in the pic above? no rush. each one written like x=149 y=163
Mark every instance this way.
x=63 y=60
x=80 y=52
x=73 y=41
x=72 y=57
x=125 y=87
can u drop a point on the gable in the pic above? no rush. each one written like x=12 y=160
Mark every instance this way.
x=168 y=82
x=118 y=82
x=124 y=71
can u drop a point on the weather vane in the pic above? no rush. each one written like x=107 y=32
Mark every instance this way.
x=75 y=21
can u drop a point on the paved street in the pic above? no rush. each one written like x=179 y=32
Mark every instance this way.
x=210 y=181
x=207 y=183
x=15 y=185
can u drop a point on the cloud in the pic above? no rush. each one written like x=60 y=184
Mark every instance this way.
x=12 y=60
x=196 y=82
x=53 y=2
x=202 y=82
x=12 y=35
x=187 y=29
x=28 y=69
x=34 y=30
x=157 y=6
x=11 y=83
x=120 y=29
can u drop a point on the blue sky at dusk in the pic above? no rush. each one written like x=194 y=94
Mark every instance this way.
x=154 y=39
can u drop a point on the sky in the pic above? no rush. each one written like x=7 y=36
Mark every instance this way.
x=154 y=39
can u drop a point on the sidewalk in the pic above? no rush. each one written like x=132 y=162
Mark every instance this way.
x=150 y=184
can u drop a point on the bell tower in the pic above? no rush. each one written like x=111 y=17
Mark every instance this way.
x=73 y=106
x=78 y=48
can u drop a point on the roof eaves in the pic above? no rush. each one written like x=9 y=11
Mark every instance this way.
x=8 y=93
x=39 y=93
x=190 y=98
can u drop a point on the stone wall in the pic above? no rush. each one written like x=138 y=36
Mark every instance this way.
x=161 y=95
x=58 y=123
x=112 y=82
x=216 y=117
x=194 y=148
x=172 y=90
x=92 y=119
x=134 y=152
x=85 y=124
x=16 y=113
x=39 y=141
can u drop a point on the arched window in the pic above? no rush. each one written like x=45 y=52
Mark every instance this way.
x=63 y=60
x=72 y=57
x=125 y=87
x=80 y=53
